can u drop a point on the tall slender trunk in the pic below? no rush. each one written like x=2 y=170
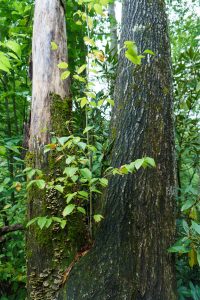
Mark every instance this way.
x=113 y=46
x=47 y=250
x=130 y=259
x=15 y=106
x=10 y=153
x=113 y=29
x=10 y=160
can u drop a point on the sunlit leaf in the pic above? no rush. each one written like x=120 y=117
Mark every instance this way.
x=98 y=218
x=62 y=65
x=54 y=46
x=68 y=210
x=65 y=75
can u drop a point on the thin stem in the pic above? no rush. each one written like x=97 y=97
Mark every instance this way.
x=88 y=134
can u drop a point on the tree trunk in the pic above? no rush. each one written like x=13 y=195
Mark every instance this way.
x=113 y=29
x=129 y=259
x=47 y=250
x=15 y=106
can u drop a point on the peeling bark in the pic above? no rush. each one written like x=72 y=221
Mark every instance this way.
x=130 y=259
x=48 y=251
x=49 y=26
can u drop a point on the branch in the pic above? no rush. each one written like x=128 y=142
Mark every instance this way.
x=11 y=228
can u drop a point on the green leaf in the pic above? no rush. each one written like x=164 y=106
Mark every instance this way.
x=57 y=219
x=94 y=190
x=93 y=104
x=98 y=218
x=98 y=9
x=70 y=159
x=185 y=227
x=31 y=173
x=104 y=2
x=13 y=148
x=104 y=182
x=81 y=69
x=90 y=95
x=41 y=222
x=81 y=209
x=138 y=163
x=74 y=178
x=147 y=51
x=70 y=171
x=124 y=170
x=83 y=194
x=62 y=140
x=150 y=161
x=7 y=206
x=40 y=183
x=54 y=46
x=48 y=222
x=82 y=145
x=59 y=188
x=32 y=221
x=79 y=78
x=86 y=173
x=196 y=227
x=46 y=149
x=84 y=101
x=189 y=203
x=15 y=47
x=4 y=68
x=136 y=60
x=62 y=65
x=65 y=75
x=4 y=60
x=63 y=224
x=88 y=128
x=130 y=44
x=68 y=210
x=100 y=102
x=198 y=257
x=131 y=48
x=89 y=41
x=111 y=102
x=2 y=150
x=13 y=56
x=178 y=249
x=76 y=140
x=71 y=196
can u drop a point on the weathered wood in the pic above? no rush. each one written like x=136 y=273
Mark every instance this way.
x=130 y=259
x=113 y=29
x=47 y=250
x=49 y=26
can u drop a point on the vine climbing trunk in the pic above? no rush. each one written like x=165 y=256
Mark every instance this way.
x=130 y=259
x=51 y=106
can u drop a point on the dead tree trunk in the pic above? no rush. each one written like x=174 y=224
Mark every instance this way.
x=130 y=259
x=113 y=29
x=47 y=250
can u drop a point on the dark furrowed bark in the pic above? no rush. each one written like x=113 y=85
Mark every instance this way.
x=130 y=259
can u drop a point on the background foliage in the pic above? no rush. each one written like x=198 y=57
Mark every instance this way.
x=15 y=96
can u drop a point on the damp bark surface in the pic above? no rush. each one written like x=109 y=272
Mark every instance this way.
x=130 y=259
x=47 y=251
